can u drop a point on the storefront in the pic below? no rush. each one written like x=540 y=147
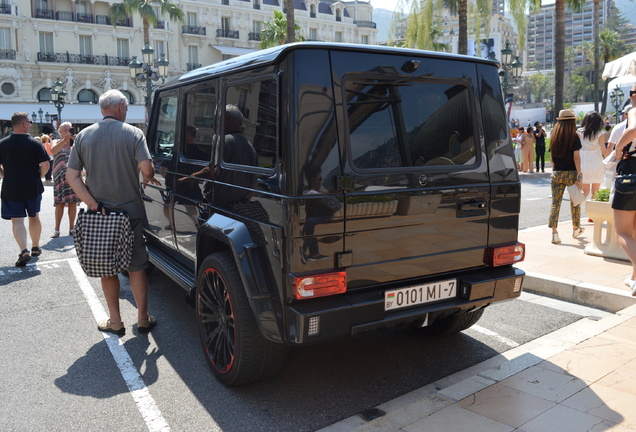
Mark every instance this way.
x=81 y=115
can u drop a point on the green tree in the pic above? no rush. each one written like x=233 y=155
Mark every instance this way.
x=145 y=9
x=275 y=31
x=610 y=43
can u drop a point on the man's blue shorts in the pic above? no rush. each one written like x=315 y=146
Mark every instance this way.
x=20 y=209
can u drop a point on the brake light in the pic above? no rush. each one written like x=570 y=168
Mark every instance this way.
x=319 y=285
x=506 y=255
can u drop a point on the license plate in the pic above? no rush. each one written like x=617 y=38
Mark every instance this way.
x=419 y=294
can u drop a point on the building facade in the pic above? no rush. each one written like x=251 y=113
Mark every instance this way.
x=579 y=28
x=42 y=41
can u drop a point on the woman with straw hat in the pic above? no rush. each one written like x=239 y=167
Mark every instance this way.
x=565 y=146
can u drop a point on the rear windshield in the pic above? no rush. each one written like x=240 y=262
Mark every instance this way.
x=395 y=123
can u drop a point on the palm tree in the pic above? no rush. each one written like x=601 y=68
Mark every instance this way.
x=559 y=47
x=276 y=32
x=291 y=21
x=610 y=42
x=146 y=9
x=597 y=45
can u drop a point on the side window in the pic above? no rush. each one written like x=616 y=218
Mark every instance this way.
x=166 y=123
x=199 y=127
x=398 y=124
x=258 y=103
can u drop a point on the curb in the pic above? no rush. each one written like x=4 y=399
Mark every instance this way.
x=412 y=408
x=582 y=293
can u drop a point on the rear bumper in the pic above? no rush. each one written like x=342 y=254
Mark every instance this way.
x=343 y=315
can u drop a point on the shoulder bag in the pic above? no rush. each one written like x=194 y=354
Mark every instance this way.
x=103 y=243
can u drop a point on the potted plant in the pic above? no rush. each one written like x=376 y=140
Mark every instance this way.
x=600 y=211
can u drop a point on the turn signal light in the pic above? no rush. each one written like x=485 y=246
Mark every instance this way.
x=319 y=285
x=506 y=255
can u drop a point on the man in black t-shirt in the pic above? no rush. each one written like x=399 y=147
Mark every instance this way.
x=23 y=162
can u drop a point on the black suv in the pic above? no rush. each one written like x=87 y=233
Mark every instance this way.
x=314 y=191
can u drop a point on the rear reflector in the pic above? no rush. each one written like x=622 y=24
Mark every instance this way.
x=506 y=255
x=319 y=285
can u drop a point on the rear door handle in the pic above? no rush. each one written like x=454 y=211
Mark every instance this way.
x=472 y=205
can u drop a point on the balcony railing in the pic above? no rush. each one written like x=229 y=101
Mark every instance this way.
x=254 y=36
x=312 y=14
x=193 y=30
x=77 y=17
x=126 y=22
x=64 y=16
x=84 y=18
x=5 y=8
x=232 y=34
x=225 y=2
x=192 y=66
x=161 y=24
x=338 y=18
x=256 y=6
x=104 y=60
x=44 y=13
x=7 y=54
x=102 y=19
x=370 y=24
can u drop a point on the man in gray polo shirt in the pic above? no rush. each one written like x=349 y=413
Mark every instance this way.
x=113 y=153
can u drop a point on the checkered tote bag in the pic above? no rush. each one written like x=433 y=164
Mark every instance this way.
x=103 y=243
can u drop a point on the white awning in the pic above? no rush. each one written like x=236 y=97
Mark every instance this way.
x=233 y=51
x=76 y=113
x=620 y=67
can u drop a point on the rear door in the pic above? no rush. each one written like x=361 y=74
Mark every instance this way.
x=416 y=179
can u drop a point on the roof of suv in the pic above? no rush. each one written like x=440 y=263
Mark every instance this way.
x=270 y=55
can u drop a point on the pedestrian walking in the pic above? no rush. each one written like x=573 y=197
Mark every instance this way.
x=23 y=162
x=46 y=142
x=113 y=153
x=565 y=147
x=593 y=151
x=527 y=150
x=624 y=204
x=539 y=136
x=63 y=195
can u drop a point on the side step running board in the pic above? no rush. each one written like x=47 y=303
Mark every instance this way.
x=178 y=273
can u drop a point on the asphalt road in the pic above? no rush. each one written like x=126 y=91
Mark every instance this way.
x=59 y=373
x=536 y=200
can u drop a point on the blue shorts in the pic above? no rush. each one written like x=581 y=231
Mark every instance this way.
x=20 y=209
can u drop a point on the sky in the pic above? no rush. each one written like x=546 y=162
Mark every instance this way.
x=384 y=4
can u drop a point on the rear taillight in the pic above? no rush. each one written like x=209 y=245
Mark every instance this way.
x=506 y=254
x=321 y=285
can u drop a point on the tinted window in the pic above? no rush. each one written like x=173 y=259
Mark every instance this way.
x=199 y=126
x=258 y=102
x=395 y=124
x=166 y=124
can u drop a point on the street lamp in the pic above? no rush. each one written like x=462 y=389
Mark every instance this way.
x=35 y=118
x=510 y=69
x=617 y=96
x=58 y=95
x=143 y=75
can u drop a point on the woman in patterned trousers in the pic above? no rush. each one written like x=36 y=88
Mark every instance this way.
x=565 y=146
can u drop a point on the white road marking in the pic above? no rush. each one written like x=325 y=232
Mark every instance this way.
x=140 y=393
x=533 y=199
x=495 y=335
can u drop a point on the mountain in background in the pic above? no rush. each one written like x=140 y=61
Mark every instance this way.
x=628 y=9
x=382 y=19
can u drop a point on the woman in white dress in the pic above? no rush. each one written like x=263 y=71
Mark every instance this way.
x=593 y=151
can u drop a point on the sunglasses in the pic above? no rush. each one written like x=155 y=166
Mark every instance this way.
x=632 y=93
